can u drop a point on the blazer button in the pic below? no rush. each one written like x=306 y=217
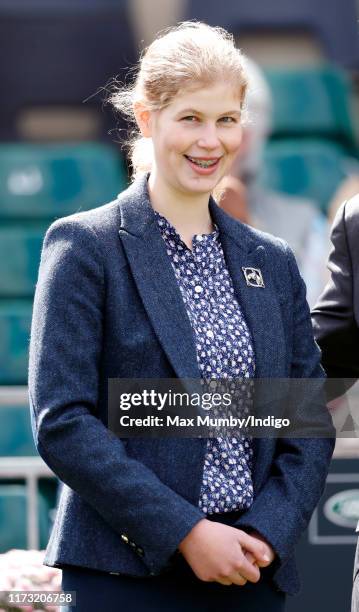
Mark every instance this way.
x=133 y=544
x=140 y=551
x=124 y=538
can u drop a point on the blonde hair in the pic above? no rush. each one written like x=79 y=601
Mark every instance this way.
x=182 y=58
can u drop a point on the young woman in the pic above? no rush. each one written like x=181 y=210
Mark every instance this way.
x=161 y=283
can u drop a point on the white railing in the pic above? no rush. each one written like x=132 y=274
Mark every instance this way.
x=29 y=469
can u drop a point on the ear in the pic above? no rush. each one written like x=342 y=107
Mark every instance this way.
x=143 y=119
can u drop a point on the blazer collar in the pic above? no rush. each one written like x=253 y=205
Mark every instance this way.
x=137 y=215
x=161 y=296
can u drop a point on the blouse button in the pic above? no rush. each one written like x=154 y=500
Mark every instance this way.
x=198 y=289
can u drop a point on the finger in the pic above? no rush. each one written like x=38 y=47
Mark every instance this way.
x=248 y=570
x=270 y=557
x=224 y=581
x=238 y=578
x=257 y=548
x=251 y=558
x=263 y=563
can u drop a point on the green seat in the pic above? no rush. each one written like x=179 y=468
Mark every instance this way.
x=16 y=439
x=15 y=323
x=48 y=181
x=20 y=249
x=13 y=511
x=310 y=169
x=312 y=102
x=48 y=489
x=13 y=505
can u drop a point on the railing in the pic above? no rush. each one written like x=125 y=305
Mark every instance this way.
x=29 y=468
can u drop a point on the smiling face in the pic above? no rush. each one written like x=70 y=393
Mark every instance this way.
x=195 y=139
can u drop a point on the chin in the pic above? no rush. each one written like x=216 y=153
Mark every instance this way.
x=203 y=184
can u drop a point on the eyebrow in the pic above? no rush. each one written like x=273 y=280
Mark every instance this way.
x=192 y=111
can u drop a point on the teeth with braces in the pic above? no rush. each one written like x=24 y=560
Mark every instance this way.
x=202 y=163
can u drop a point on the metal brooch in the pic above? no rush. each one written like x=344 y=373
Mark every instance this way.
x=253 y=277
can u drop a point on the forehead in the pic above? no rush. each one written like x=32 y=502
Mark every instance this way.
x=217 y=98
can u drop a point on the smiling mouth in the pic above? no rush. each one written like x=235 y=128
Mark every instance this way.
x=203 y=163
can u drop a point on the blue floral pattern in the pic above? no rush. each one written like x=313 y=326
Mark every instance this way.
x=224 y=351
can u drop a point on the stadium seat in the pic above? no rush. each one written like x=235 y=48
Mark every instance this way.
x=308 y=168
x=16 y=437
x=312 y=102
x=13 y=505
x=13 y=521
x=15 y=323
x=18 y=273
x=48 y=181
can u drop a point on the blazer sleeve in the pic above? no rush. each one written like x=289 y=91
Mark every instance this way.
x=334 y=323
x=65 y=354
x=281 y=510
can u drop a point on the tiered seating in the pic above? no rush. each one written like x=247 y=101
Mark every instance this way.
x=37 y=185
x=16 y=439
x=25 y=501
x=15 y=321
x=309 y=168
x=43 y=182
x=14 y=517
x=313 y=146
x=312 y=101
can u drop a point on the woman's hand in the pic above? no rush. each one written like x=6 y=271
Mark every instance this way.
x=217 y=553
x=270 y=554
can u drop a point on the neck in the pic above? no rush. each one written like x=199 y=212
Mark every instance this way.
x=188 y=213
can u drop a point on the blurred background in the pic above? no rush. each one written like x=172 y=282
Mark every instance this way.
x=60 y=152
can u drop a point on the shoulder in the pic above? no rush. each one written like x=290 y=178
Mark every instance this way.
x=100 y=222
x=350 y=209
x=346 y=226
x=268 y=241
x=347 y=214
x=270 y=251
x=248 y=238
x=280 y=257
x=89 y=222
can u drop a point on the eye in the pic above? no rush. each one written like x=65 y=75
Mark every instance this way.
x=228 y=120
x=189 y=118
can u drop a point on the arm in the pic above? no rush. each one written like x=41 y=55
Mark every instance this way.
x=65 y=355
x=282 y=508
x=335 y=328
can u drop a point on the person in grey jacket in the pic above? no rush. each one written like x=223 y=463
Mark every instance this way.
x=336 y=314
x=160 y=284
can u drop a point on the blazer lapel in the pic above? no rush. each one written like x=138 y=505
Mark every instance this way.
x=260 y=304
x=161 y=296
x=162 y=299
x=261 y=309
x=156 y=281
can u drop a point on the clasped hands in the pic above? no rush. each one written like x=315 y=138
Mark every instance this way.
x=224 y=554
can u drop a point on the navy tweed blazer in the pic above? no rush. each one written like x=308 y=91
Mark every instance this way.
x=107 y=305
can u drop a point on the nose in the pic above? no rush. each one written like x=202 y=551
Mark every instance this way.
x=209 y=139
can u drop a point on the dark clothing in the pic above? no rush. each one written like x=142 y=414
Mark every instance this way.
x=336 y=315
x=107 y=305
x=175 y=592
x=355 y=592
x=177 y=589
